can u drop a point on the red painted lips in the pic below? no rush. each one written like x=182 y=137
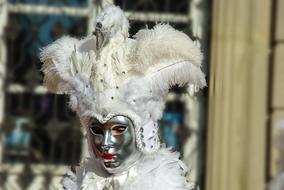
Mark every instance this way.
x=108 y=156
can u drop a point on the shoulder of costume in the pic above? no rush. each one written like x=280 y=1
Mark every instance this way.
x=74 y=177
x=164 y=170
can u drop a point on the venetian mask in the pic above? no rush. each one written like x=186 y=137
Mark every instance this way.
x=113 y=143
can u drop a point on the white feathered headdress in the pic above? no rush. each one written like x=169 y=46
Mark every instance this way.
x=108 y=74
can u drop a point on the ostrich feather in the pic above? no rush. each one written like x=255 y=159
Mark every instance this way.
x=180 y=73
x=163 y=42
x=57 y=59
x=167 y=56
x=82 y=64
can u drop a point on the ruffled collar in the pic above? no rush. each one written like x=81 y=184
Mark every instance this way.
x=92 y=181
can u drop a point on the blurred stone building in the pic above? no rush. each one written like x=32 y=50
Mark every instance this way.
x=225 y=133
x=245 y=93
x=39 y=135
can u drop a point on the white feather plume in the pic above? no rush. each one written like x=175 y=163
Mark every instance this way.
x=82 y=64
x=167 y=56
x=62 y=57
x=179 y=73
x=55 y=58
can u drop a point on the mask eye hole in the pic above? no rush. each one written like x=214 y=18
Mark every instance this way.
x=118 y=129
x=96 y=130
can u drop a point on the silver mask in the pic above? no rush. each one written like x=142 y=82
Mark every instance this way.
x=113 y=143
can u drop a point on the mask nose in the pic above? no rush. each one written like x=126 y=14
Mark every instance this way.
x=107 y=140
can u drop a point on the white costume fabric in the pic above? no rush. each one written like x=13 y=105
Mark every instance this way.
x=110 y=74
x=162 y=170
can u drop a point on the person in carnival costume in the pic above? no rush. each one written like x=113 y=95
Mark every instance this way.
x=118 y=87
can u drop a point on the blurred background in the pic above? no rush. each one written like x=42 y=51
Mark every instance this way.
x=225 y=132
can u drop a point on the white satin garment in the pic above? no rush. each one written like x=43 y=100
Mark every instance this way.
x=162 y=170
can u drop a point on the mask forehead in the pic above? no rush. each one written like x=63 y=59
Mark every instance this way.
x=121 y=119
